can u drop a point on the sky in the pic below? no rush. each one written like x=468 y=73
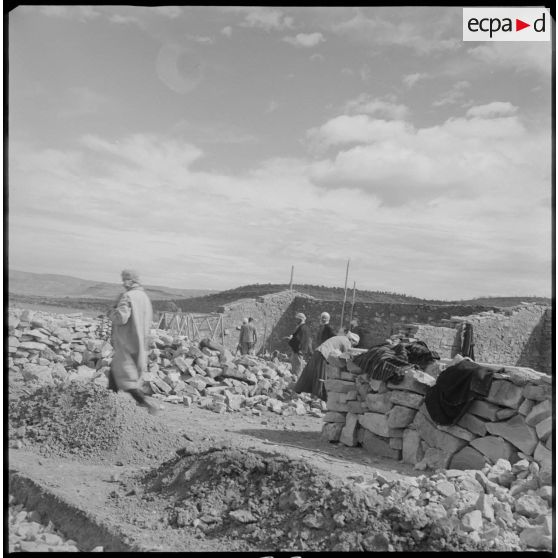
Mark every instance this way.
x=214 y=147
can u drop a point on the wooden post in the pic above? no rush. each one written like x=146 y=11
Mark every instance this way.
x=291 y=281
x=352 y=304
x=344 y=297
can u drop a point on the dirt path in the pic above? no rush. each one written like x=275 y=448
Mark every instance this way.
x=94 y=488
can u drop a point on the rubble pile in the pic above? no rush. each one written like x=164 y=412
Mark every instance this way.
x=514 y=421
x=27 y=532
x=272 y=502
x=45 y=349
x=87 y=421
x=264 y=501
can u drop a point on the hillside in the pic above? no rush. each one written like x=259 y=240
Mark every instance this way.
x=209 y=303
x=44 y=285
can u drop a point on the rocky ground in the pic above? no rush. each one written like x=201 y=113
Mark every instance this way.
x=238 y=464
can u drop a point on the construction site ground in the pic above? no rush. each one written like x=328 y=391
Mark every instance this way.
x=82 y=498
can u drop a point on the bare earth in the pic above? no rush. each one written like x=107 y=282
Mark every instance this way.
x=103 y=492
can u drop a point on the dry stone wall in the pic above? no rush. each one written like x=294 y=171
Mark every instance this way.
x=514 y=422
x=519 y=336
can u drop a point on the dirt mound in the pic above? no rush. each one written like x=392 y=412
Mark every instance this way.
x=84 y=420
x=259 y=501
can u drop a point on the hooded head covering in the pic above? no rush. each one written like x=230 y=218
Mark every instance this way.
x=131 y=275
x=353 y=337
x=300 y=316
x=325 y=315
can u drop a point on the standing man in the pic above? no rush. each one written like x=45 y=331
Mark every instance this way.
x=300 y=344
x=243 y=338
x=132 y=318
x=325 y=331
x=253 y=336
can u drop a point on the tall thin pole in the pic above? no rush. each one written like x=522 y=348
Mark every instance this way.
x=345 y=296
x=291 y=281
x=352 y=304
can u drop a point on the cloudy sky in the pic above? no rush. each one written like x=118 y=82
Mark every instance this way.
x=213 y=147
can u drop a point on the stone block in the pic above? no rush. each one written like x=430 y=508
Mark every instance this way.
x=415 y=381
x=544 y=428
x=400 y=417
x=396 y=443
x=334 y=403
x=457 y=431
x=435 y=458
x=339 y=386
x=468 y=458
x=516 y=432
x=379 y=402
x=406 y=399
x=396 y=432
x=332 y=372
x=377 y=386
x=505 y=393
x=331 y=431
x=348 y=434
x=436 y=438
x=375 y=423
x=503 y=414
x=362 y=387
x=412 y=450
x=378 y=446
x=473 y=424
x=357 y=407
x=483 y=409
x=537 y=393
x=333 y=416
x=535 y=537
x=494 y=448
x=539 y=412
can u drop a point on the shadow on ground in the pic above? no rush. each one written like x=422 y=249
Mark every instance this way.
x=310 y=441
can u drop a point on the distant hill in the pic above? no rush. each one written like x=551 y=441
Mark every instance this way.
x=23 y=283
x=210 y=302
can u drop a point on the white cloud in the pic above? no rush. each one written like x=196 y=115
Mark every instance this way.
x=411 y=79
x=227 y=31
x=424 y=31
x=495 y=108
x=462 y=207
x=267 y=18
x=272 y=106
x=305 y=40
x=81 y=101
x=525 y=57
x=381 y=107
x=81 y=13
x=454 y=95
x=172 y=12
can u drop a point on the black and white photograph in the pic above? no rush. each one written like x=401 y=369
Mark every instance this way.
x=279 y=279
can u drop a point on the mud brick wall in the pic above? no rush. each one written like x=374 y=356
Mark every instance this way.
x=513 y=422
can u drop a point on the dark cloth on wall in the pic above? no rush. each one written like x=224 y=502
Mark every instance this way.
x=301 y=341
x=456 y=387
x=384 y=362
x=467 y=344
x=418 y=353
x=311 y=378
x=325 y=331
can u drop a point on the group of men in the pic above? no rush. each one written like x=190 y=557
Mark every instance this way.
x=132 y=317
x=309 y=367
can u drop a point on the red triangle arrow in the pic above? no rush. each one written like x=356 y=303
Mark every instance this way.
x=519 y=25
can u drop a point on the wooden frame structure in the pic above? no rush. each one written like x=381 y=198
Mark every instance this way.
x=194 y=326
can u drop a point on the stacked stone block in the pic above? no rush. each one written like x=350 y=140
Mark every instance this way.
x=513 y=422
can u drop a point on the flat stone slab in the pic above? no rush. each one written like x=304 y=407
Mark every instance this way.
x=434 y=437
x=505 y=393
x=375 y=423
x=494 y=448
x=517 y=432
x=468 y=458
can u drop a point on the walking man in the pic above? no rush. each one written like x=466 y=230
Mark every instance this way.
x=132 y=318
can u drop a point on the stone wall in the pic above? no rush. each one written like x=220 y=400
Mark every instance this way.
x=518 y=336
x=513 y=422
